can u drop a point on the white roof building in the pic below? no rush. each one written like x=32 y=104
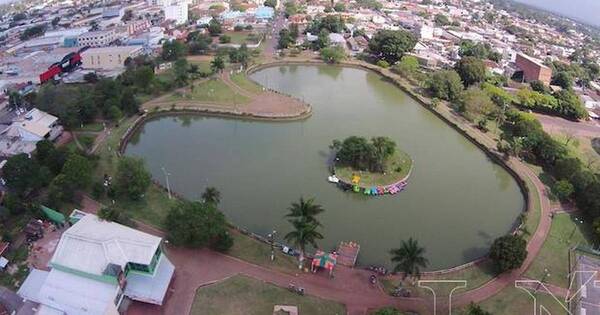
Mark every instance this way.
x=95 y=264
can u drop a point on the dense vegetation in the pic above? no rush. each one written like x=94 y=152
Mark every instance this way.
x=363 y=155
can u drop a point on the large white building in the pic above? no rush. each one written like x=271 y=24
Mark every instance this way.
x=96 y=38
x=176 y=11
x=97 y=263
x=109 y=58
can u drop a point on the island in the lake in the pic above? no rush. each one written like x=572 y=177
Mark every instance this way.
x=375 y=167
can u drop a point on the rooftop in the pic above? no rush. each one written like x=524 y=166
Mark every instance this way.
x=91 y=244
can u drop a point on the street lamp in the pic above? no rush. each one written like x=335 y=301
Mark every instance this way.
x=271 y=237
x=167 y=178
x=546 y=274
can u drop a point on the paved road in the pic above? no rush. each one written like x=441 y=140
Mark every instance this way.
x=273 y=35
x=552 y=124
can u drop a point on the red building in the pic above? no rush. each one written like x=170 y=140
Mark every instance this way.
x=533 y=69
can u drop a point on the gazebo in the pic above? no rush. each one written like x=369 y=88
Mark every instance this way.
x=323 y=260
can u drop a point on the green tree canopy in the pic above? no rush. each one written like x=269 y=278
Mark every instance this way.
x=195 y=224
x=361 y=154
x=214 y=27
x=471 y=70
x=132 y=179
x=333 y=54
x=23 y=174
x=391 y=45
x=508 y=252
x=173 y=50
x=78 y=170
x=445 y=84
x=409 y=258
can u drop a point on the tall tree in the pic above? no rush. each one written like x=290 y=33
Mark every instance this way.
x=195 y=224
x=409 y=258
x=305 y=224
x=305 y=210
x=508 y=252
x=471 y=70
x=217 y=65
x=392 y=45
x=132 y=179
x=211 y=195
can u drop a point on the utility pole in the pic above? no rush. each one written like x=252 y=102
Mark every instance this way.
x=167 y=178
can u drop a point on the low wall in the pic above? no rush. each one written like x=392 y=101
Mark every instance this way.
x=491 y=153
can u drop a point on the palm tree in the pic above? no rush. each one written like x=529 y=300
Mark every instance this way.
x=303 y=218
x=305 y=209
x=409 y=258
x=211 y=195
x=304 y=233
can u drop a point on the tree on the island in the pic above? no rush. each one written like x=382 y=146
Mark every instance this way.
x=214 y=27
x=409 y=258
x=475 y=309
x=302 y=216
x=173 y=50
x=333 y=54
x=391 y=45
x=78 y=171
x=471 y=70
x=217 y=65
x=384 y=148
x=197 y=224
x=211 y=195
x=445 y=84
x=132 y=179
x=508 y=252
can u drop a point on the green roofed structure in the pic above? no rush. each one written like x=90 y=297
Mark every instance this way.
x=54 y=216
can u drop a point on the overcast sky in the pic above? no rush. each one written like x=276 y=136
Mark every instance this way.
x=585 y=10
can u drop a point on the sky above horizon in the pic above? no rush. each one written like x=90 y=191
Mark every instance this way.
x=585 y=10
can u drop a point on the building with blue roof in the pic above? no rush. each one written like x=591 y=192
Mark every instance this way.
x=264 y=13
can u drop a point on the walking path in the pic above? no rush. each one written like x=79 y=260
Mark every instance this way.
x=195 y=268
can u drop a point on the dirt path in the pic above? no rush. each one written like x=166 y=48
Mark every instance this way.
x=588 y=129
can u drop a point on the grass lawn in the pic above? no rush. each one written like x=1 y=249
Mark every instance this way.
x=511 y=301
x=565 y=233
x=397 y=167
x=238 y=37
x=242 y=81
x=203 y=66
x=93 y=127
x=259 y=253
x=580 y=147
x=211 y=91
x=86 y=140
x=248 y=296
x=475 y=276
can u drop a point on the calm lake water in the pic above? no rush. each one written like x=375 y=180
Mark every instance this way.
x=456 y=203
